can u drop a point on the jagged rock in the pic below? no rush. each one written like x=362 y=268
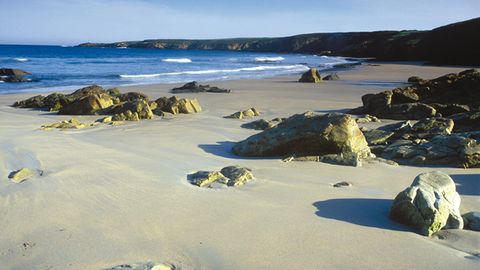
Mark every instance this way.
x=263 y=124
x=13 y=75
x=447 y=95
x=466 y=122
x=472 y=221
x=342 y=184
x=430 y=204
x=194 y=87
x=311 y=76
x=450 y=150
x=367 y=119
x=406 y=111
x=205 y=178
x=132 y=96
x=244 y=114
x=72 y=123
x=377 y=136
x=307 y=134
x=331 y=77
x=415 y=79
x=143 y=266
x=90 y=104
x=132 y=111
x=33 y=102
x=430 y=127
x=21 y=175
x=230 y=176
x=237 y=175
x=175 y=106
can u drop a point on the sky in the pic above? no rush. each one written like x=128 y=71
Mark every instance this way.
x=70 y=22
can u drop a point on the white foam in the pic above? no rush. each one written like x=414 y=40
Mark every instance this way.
x=269 y=59
x=214 y=71
x=21 y=59
x=177 y=60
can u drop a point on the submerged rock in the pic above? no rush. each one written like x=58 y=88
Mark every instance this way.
x=194 y=87
x=249 y=113
x=307 y=134
x=430 y=204
x=311 y=76
x=13 y=75
x=21 y=175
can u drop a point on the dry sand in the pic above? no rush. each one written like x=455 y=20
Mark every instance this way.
x=119 y=194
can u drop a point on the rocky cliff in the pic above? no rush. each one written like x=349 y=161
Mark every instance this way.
x=456 y=43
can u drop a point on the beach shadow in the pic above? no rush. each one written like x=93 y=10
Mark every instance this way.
x=224 y=149
x=333 y=111
x=363 y=212
x=467 y=184
x=377 y=84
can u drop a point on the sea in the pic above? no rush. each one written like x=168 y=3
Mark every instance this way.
x=61 y=68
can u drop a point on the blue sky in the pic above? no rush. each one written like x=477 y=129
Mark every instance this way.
x=75 y=21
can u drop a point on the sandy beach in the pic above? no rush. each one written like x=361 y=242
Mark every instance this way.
x=119 y=194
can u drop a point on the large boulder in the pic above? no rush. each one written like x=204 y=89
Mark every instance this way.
x=307 y=134
x=406 y=111
x=472 y=221
x=311 y=76
x=175 y=105
x=430 y=204
x=88 y=104
x=132 y=111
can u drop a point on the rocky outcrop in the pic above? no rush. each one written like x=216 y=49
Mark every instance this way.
x=13 y=75
x=194 y=87
x=22 y=175
x=311 y=76
x=175 y=105
x=430 y=204
x=446 y=96
x=308 y=134
x=230 y=176
x=248 y=113
x=90 y=104
x=132 y=111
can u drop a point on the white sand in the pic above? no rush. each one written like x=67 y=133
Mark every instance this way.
x=112 y=195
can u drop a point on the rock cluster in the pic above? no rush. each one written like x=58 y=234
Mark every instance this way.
x=311 y=76
x=13 y=75
x=66 y=124
x=428 y=142
x=335 y=138
x=230 y=176
x=430 y=204
x=444 y=96
x=249 y=113
x=194 y=87
x=94 y=100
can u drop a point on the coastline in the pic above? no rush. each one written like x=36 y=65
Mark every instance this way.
x=118 y=194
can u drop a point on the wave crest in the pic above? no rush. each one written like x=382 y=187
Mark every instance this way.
x=177 y=60
x=269 y=59
x=21 y=59
x=292 y=68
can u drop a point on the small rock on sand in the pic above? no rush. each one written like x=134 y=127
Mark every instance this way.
x=21 y=175
x=342 y=184
x=143 y=266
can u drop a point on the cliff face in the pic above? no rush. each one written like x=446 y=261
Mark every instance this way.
x=456 y=43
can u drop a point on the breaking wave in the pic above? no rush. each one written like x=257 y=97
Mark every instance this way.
x=177 y=60
x=269 y=59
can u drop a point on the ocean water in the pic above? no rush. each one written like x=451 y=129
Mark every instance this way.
x=66 y=68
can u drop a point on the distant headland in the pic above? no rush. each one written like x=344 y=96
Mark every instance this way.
x=453 y=44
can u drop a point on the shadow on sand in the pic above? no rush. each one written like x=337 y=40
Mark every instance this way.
x=333 y=111
x=363 y=212
x=224 y=149
x=467 y=184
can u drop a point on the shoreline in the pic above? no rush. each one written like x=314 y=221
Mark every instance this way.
x=112 y=195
